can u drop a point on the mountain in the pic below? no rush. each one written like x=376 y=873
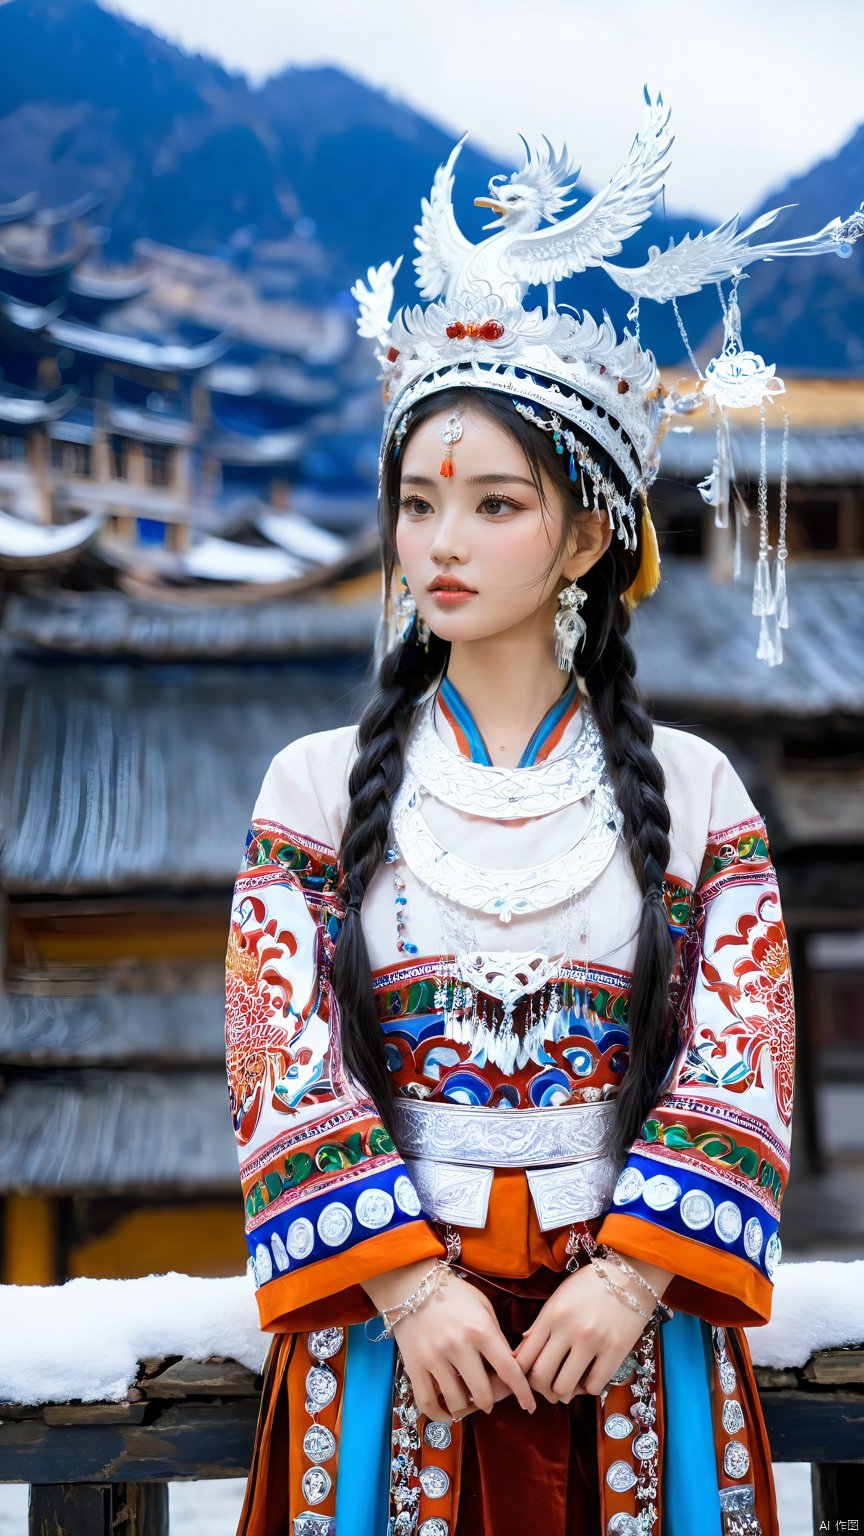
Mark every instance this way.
x=816 y=306
x=189 y=154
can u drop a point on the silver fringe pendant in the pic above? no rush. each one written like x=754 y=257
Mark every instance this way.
x=570 y=627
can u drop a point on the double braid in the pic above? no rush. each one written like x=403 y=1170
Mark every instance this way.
x=374 y=779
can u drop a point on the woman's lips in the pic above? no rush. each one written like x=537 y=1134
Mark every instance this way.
x=451 y=597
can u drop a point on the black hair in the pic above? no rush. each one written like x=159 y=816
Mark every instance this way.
x=607 y=666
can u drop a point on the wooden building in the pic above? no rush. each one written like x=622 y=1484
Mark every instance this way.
x=141 y=703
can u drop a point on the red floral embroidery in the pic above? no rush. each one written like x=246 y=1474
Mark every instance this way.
x=259 y=1027
x=761 y=999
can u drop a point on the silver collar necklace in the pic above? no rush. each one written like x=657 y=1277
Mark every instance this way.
x=431 y=768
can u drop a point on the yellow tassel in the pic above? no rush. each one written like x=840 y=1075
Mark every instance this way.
x=647 y=579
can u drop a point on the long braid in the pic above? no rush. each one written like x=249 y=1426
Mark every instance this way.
x=375 y=776
x=628 y=734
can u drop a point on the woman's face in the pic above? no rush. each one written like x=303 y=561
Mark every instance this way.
x=476 y=549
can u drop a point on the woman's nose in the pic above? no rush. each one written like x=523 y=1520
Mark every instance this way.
x=448 y=538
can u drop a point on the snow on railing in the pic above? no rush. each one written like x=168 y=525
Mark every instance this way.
x=84 y=1340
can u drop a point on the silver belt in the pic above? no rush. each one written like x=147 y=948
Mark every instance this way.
x=452 y=1150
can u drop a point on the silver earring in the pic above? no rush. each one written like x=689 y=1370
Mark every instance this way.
x=406 y=614
x=570 y=628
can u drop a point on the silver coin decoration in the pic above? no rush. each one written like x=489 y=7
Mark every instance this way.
x=624 y=1525
x=300 y=1238
x=316 y=1485
x=321 y=1385
x=621 y=1477
x=741 y=1498
x=661 y=1192
x=629 y=1187
x=437 y=1434
x=263 y=1264
x=753 y=1237
x=733 y=1416
x=434 y=1527
x=334 y=1224
x=728 y=1376
x=406 y=1196
x=697 y=1210
x=773 y=1252
x=374 y=1208
x=325 y=1342
x=309 y=1524
x=728 y=1221
x=736 y=1459
x=625 y=1369
x=434 y=1482
x=319 y=1443
x=647 y=1445
x=619 y=1426
x=279 y=1253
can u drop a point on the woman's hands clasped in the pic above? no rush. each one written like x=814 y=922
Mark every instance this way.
x=578 y=1339
x=458 y=1358
x=456 y=1355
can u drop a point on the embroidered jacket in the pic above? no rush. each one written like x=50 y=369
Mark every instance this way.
x=331 y=1202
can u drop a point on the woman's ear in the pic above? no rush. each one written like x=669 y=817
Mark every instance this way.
x=589 y=539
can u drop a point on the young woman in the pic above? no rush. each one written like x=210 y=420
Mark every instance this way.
x=509 y=1028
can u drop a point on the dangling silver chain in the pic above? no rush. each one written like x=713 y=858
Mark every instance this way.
x=509 y=976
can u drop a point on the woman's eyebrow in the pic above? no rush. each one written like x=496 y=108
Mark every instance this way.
x=471 y=480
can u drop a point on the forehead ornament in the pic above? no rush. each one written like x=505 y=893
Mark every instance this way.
x=450 y=433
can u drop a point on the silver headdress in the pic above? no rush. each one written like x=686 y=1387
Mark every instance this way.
x=475 y=331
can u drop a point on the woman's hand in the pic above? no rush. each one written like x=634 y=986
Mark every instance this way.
x=581 y=1331
x=454 y=1349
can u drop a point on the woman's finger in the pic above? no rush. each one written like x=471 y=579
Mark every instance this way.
x=426 y=1394
x=546 y=1368
x=531 y=1343
x=566 y=1385
x=511 y=1373
x=602 y=1369
x=452 y=1389
x=472 y=1369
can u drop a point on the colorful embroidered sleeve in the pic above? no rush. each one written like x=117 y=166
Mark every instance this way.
x=329 y=1203
x=701 y=1190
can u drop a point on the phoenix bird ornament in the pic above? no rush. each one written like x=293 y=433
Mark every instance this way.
x=475 y=332
x=521 y=253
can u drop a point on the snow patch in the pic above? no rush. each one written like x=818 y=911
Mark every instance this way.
x=84 y=1340
x=818 y=1305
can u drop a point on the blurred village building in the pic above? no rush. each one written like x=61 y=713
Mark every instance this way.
x=189 y=580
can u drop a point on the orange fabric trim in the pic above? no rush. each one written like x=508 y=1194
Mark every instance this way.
x=299 y=1419
x=761 y=1472
x=265 y=1509
x=724 y=1290
x=555 y=736
x=330 y=1290
x=461 y=739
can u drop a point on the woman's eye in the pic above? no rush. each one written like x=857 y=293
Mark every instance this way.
x=497 y=504
x=414 y=504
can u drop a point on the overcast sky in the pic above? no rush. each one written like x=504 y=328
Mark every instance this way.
x=759 y=89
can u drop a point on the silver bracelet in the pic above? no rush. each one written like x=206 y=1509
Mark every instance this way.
x=428 y=1286
x=618 y=1290
x=616 y=1258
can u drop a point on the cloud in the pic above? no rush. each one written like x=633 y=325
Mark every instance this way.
x=755 y=95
